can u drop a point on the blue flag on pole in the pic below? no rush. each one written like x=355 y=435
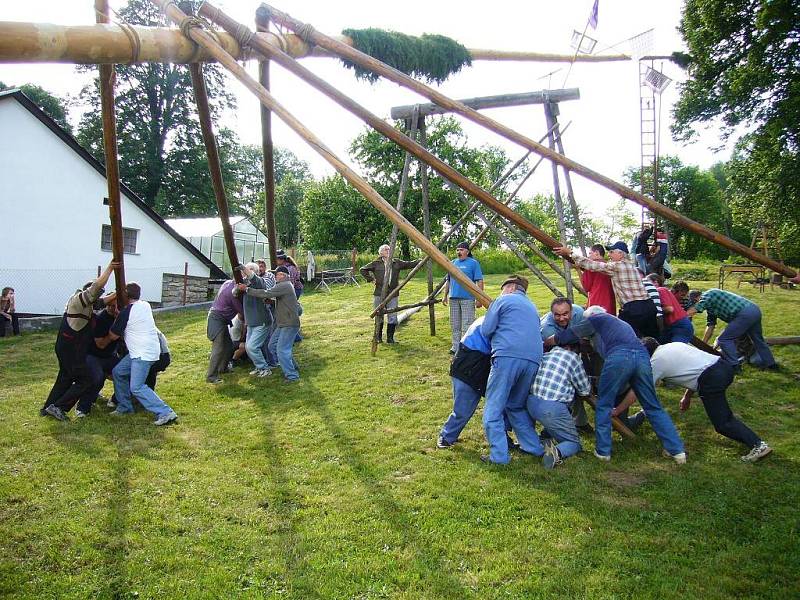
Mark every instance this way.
x=593 y=15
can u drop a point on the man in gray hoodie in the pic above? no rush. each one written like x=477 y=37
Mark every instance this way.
x=287 y=320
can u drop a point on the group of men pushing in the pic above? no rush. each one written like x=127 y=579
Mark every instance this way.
x=530 y=369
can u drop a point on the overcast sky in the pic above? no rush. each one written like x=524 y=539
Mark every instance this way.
x=604 y=134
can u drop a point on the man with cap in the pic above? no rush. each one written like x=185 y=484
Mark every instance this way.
x=508 y=325
x=287 y=321
x=462 y=304
x=636 y=309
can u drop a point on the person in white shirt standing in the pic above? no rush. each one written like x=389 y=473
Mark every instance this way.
x=135 y=323
x=710 y=376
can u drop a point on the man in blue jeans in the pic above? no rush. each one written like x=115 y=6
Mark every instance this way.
x=258 y=319
x=511 y=325
x=627 y=364
x=287 y=320
x=135 y=323
x=560 y=378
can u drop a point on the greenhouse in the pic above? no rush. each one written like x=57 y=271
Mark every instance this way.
x=206 y=235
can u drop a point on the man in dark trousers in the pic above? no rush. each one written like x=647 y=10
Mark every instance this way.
x=72 y=344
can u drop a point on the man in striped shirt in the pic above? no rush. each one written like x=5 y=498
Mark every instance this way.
x=560 y=377
x=743 y=319
x=636 y=309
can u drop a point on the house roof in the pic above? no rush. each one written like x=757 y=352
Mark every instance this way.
x=65 y=137
x=201 y=226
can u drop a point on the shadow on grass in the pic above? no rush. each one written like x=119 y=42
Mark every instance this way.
x=132 y=437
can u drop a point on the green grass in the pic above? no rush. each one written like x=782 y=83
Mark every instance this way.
x=333 y=487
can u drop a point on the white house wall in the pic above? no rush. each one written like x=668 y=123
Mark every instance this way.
x=52 y=216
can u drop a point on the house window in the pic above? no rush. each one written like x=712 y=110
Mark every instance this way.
x=129 y=238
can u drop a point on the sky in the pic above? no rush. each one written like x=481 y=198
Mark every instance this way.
x=604 y=123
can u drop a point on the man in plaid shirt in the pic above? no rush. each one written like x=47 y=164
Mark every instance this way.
x=743 y=319
x=560 y=377
x=636 y=309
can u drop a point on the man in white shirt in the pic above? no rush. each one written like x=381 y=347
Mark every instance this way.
x=135 y=323
x=684 y=365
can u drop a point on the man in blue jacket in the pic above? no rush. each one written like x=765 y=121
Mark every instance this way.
x=511 y=325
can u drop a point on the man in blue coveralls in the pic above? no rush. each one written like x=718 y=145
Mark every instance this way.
x=511 y=325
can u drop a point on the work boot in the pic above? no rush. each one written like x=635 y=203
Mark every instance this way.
x=390 y=333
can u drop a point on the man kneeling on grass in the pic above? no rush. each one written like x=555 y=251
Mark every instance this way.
x=560 y=378
x=135 y=323
x=710 y=376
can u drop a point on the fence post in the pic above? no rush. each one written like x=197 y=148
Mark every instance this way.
x=185 y=280
x=99 y=270
x=354 y=256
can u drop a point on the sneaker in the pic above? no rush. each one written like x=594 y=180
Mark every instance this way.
x=80 y=414
x=443 y=443
x=255 y=371
x=229 y=368
x=214 y=381
x=679 y=458
x=119 y=413
x=166 y=418
x=552 y=457
x=56 y=413
x=512 y=445
x=757 y=453
x=263 y=373
x=602 y=457
x=549 y=444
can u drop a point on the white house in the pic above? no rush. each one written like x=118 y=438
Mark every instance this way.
x=206 y=235
x=54 y=223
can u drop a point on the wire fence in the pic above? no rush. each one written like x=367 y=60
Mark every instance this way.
x=46 y=291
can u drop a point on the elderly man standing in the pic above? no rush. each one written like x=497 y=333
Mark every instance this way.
x=225 y=307
x=258 y=319
x=743 y=318
x=626 y=365
x=462 y=304
x=636 y=309
x=287 y=320
x=375 y=272
x=516 y=355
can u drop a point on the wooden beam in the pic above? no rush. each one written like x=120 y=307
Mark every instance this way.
x=206 y=40
x=549 y=111
x=540 y=97
x=109 y=116
x=207 y=129
x=396 y=76
x=268 y=155
x=426 y=223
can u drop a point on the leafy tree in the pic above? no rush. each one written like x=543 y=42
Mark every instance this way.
x=53 y=106
x=744 y=68
x=382 y=161
x=541 y=211
x=158 y=131
x=694 y=193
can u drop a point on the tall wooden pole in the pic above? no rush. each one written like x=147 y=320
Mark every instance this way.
x=426 y=220
x=208 y=42
x=549 y=111
x=570 y=192
x=262 y=25
x=107 y=78
x=364 y=60
x=207 y=128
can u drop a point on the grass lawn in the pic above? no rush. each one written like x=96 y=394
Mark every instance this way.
x=333 y=487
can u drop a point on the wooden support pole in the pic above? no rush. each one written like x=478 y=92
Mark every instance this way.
x=426 y=221
x=783 y=341
x=396 y=76
x=108 y=111
x=226 y=60
x=570 y=192
x=445 y=170
x=426 y=302
x=267 y=150
x=616 y=423
x=503 y=100
x=549 y=111
x=207 y=128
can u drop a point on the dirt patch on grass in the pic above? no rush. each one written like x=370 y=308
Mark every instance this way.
x=623 y=480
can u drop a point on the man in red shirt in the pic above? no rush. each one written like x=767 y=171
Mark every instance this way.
x=598 y=285
x=677 y=324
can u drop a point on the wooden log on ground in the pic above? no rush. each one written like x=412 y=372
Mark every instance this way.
x=502 y=100
x=618 y=425
x=332 y=45
x=783 y=341
x=406 y=315
x=209 y=43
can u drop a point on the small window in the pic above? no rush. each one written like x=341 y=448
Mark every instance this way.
x=129 y=238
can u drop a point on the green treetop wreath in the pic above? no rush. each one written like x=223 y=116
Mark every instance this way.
x=430 y=57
